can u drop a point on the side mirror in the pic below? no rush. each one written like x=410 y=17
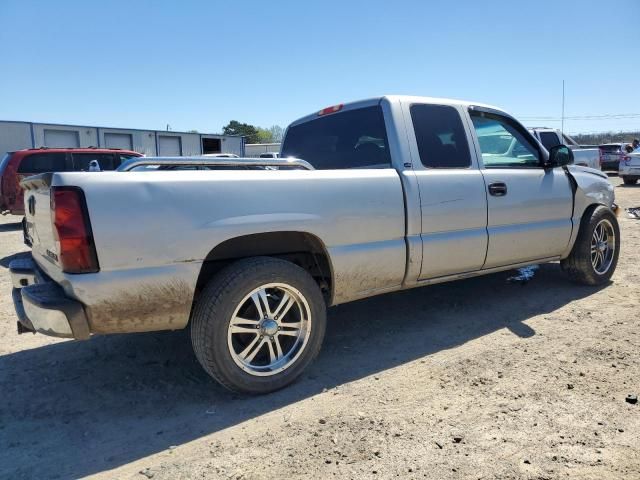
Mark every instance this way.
x=559 y=156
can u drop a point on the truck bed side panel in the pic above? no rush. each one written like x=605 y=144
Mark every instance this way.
x=153 y=230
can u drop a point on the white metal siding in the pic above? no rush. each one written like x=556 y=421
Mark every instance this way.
x=169 y=145
x=21 y=135
x=233 y=145
x=191 y=144
x=145 y=143
x=14 y=136
x=118 y=140
x=255 y=149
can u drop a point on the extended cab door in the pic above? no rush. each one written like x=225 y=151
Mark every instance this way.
x=529 y=207
x=453 y=202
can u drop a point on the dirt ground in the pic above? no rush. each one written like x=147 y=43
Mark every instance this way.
x=476 y=379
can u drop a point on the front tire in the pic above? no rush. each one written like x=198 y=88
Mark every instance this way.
x=258 y=324
x=629 y=181
x=594 y=256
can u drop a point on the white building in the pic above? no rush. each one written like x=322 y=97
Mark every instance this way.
x=20 y=135
x=255 y=149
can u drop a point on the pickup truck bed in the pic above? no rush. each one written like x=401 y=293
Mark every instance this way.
x=404 y=192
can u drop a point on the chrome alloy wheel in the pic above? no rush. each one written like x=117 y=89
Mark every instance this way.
x=603 y=246
x=269 y=329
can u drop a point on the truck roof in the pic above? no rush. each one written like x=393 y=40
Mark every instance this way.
x=401 y=98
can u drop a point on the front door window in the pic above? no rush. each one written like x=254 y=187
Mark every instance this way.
x=502 y=144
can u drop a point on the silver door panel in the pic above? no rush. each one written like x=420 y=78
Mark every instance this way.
x=454 y=216
x=533 y=220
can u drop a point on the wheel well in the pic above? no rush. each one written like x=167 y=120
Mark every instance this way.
x=304 y=249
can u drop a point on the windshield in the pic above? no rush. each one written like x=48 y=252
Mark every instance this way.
x=4 y=162
x=494 y=144
x=3 y=165
x=569 y=141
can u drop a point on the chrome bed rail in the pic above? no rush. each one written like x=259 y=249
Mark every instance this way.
x=213 y=162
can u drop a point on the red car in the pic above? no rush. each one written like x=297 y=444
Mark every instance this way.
x=23 y=163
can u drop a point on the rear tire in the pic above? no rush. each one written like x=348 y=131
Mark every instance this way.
x=629 y=181
x=258 y=324
x=594 y=256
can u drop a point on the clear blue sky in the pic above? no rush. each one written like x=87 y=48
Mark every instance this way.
x=199 y=64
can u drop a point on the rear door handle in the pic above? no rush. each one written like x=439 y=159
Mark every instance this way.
x=498 y=189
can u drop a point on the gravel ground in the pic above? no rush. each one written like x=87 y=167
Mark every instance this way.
x=480 y=378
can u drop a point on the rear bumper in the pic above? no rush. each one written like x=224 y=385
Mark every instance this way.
x=41 y=304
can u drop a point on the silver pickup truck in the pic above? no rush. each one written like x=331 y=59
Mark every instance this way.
x=586 y=157
x=389 y=193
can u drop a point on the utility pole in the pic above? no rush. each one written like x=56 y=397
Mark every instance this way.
x=562 y=122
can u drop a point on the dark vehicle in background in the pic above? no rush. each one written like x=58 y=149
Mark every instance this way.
x=17 y=165
x=612 y=153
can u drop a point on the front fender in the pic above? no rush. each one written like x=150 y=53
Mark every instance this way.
x=591 y=187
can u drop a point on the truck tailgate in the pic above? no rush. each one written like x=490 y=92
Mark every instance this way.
x=38 y=223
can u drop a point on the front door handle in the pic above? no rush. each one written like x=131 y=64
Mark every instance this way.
x=498 y=189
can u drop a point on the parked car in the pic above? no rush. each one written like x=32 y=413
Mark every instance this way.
x=390 y=193
x=612 y=154
x=269 y=155
x=629 y=169
x=221 y=155
x=583 y=156
x=21 y=164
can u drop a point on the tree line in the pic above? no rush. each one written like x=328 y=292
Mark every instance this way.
x=254 y=134
x=605 y=137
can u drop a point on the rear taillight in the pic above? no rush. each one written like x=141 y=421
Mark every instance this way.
x=73 y=230
x=625 y=159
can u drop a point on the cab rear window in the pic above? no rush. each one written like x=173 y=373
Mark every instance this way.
x=610 y=148
x=549 y=140
x=350 y=139
x=43 y=162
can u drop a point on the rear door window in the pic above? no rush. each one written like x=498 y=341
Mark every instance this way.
x=43 y=162
x=106 y=161
x=351 y=139
x=442 y=142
